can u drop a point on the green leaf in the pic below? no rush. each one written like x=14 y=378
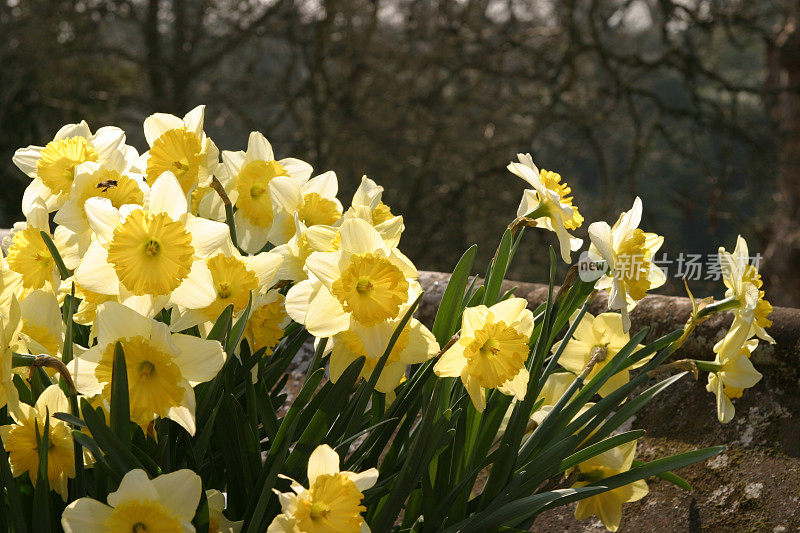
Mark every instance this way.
x=675 y=479
x=494 y=279
x=238 y=328
x=120 y=400
x=62 y=269
x=450 y=306
x=596 y=449
x=221 y=328
x=659 y=466
x=41 y=492
x=118 y=453
x=519 y=510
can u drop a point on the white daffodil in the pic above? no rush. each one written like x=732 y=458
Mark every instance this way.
x=110 y=179
x=548 y=204
x=165 y=503
x=368 y=205
x=151 y=256
x=416 y=344
x=628 y=252
x=246 y=179
x=491 y=351
x=10 y=342
x=217 y=522
x=42 y=325
x=744 y=284
x=180 y=147
x=736 y=372
x=314 y=202
x=599 y=338
x=19 y=440
x=235 y=278
x=52 y=167
x=364 y=281
x=162 y=367
x=332 y=501
x=29 y=256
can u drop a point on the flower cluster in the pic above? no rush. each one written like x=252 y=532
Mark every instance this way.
x=151 y=305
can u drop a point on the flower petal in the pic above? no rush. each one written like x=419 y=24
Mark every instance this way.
x=322 y=461
x=179 y=492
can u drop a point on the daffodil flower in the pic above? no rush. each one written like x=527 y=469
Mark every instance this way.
x=363 y=281
x=367 y=204
x=151 y=256
x=628 y=253
x=554 y=388
x=52 y=167
x=314 y=202
x=601 y=338
x=235 y=278
x=42 y=324
x=29 y=256
x=332 y=501
x=162 y=367
x=267 y=323
x=165 y=503
x=19 y=440
x=735 y=372
x=110 y=179
x=744 y=285
x=246 y=179
x=607 y=506
x=548 y=204
x=491 y=351
x=180 y=147
x=10 y=342
x=416 y=344
x=217 y=522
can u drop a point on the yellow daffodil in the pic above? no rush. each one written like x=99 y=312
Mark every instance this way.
x=217 y=522
x=19 y=440
x=332 y=502
x=180 y=147
x=267 y=322
x=368 y=205
x=416 y=344
x=110 y=179
x=554 y=388
x=246 y=179
x=314 y=202
x=297 y=249
x=86 y=311
x=744 y=284
x=363 y=281
x=235 y=277
x=628 y=253
x=607 y=506
x=549 y=203
x=601 y=338
x=10 y=342
x=52 y=167
x=29 y=256
x=735 y=372
x=149 y=257
x=162 y=367
x=42 y=325
x=166 y=503
x=491 y=351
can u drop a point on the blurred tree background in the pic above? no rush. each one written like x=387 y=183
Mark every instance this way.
x=692 y=104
